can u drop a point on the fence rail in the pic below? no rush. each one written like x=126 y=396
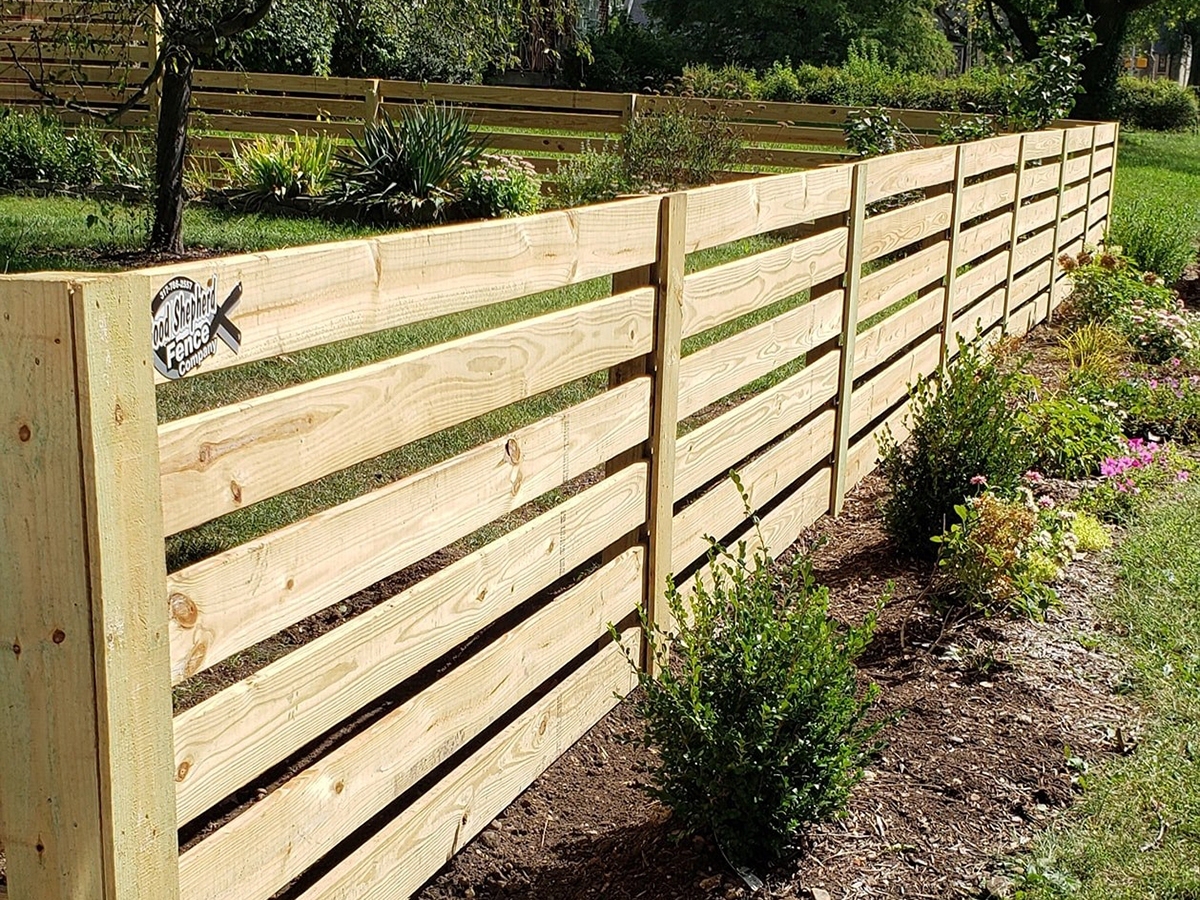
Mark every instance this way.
x=357 y=763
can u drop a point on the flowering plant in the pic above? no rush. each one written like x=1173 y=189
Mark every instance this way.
x=1004 y=553
x=1159 y=335
x=1140 y=466
x=500 y=186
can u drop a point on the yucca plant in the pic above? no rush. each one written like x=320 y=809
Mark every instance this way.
x=281 y=168
x=408 y=168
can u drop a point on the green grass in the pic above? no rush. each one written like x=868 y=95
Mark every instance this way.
x=40 y=233
x=1136 y=833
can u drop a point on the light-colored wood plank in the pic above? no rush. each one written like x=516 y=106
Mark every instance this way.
x=1034 y=249
x=275 y=840
x=1106 y=133
x=394 y=862
x=721 y=444
x=1105 y=159
x=664 y=426
x=262 y=124
x=790 y=159
x=224 y=741
x=1039 y=180
x=883 y=340
x=993 y=153
x=499 y=95
x=721 y=293
x=720 y=510
x=231 y=457
x=847 y=341
x=1074 y=199
x=1079 y=138
x=979 y=280
x=230 y=601
x=864 y=453
x=1077 y=168
x=981 y=239
x=988 y=196
x=723 y=213
x=1037 y=215
x=893 y=283
x=718 y=370
x=278 y=106
x=898 y=228
x=48 y=758
x=1042 y=144
x=899 y=172
x=484 y=117
x=308 y=296
x=128 y=578
x=1013 y=237
x=320 y=86
x=886 y=388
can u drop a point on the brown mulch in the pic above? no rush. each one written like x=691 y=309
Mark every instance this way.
x=975 y=763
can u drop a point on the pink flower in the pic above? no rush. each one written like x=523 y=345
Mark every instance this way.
x=979 y=479
x=1182 y=475
x=1034 y=477
x=1046 y=502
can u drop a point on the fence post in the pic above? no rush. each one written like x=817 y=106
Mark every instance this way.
x=1112 y=178
x=1058 y=209
x=371 y=102
x=856 y=220
x=153 y=48
x=1087 y=208
x=1013 y=235
x=950 y=282
x=629 y=113
x=86 y=758
x=664 y=404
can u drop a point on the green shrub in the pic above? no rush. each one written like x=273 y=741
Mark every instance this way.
x=1154 y=239
x=1095 y=349
x=729 y=82
x=1159 y=105
x=673 y=148
x=590 y=177
x=1003 y=554
x=1105 y=286
x=760 y=726
x=36 y=150
x=964 y=435
x=872 y=132
x=410 y=168
x=500 y=186
x=780 y=83
x=962 y=130
x=281 y=169
x=628 y=57
x=1070 y=437
x=296 y=37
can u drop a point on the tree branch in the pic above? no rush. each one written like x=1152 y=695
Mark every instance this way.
x=244 y=20
x=106 y=115
x=1018 y=24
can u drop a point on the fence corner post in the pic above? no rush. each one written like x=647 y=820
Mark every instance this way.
x=372 y=101
x=87 y=764
x=1013 y=235
x=950 y=281
x=664 y=427
x=856 y=222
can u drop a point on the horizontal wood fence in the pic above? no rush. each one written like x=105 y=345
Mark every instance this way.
x=357 y=762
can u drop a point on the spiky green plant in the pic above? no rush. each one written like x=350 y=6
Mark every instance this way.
x=281 y=168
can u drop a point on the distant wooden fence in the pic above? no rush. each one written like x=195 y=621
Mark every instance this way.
x=894 y=258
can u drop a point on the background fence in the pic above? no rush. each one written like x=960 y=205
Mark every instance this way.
x=363 y=751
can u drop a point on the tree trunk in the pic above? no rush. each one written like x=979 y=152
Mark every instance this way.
x=175 y=99
x=1102 y=63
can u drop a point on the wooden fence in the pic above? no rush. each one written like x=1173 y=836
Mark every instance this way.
x=357 y=763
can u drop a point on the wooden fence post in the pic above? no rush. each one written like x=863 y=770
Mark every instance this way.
x=86 y=759
x=950 y=282
x=371 y=102
x=1058 y=209
x=1112 y=178
x=153 y=48
x=668 y=341
x=856 y=221
x=629 y=113
x=1013 y=235
x=1091 y=177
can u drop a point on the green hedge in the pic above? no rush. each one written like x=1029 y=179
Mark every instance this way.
x=1157 y=105
x=295 y=38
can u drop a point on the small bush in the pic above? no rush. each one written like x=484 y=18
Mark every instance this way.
x=1105 y=286
x=500 y=186
x=1090 y=535
x=963 y=130
x=673 y=148
x=1159 y=105
x=408 y=169
x=1096 y=350
x=964 y=434
x=1154 y=239
x=1140 y=467
x=36 y=150
x=281 y=169
x=1003 y=554
x=296 y=37
x=780 y=83
x=1164 y=406
x=729 y=82
x=1071 y=437
x=590 y=177
x=872 y=132
x=760 y=725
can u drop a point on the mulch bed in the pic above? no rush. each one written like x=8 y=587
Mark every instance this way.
x=986 y=715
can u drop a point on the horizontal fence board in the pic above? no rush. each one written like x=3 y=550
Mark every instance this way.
x=230 y=601
x=336 y=291
x=1071 y=229
x=304 y=108
x=883 y=340
x=1077 y=169
x=721 y=509
x=983 y=238
x=276 y=839
x=1034 y=249
x=889 y=285
x=993 y=153
x=1039 y=180
x=988 y=196
x=723 y=213
x=222 y=460
x=1104 y=159
x=719 y=445
x=910 y=171
x=1037 y=215
x=1106 y=133
x=721 y=293
x=1102 y=184
x=496 y=95
x=1079 y=138
x=397 y=860
x=978 y=319
x=1074 y=199
x=1042 y=144
x=319 y=86
x=524 y=118
x=259 y=124
x=790 y=159
x=978 y=280
x=888 y=386
x=718 y=370
x=221 y=743
x=893 y=230
x=864 y=453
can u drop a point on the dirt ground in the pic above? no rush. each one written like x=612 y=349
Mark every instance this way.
x=987 y=718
